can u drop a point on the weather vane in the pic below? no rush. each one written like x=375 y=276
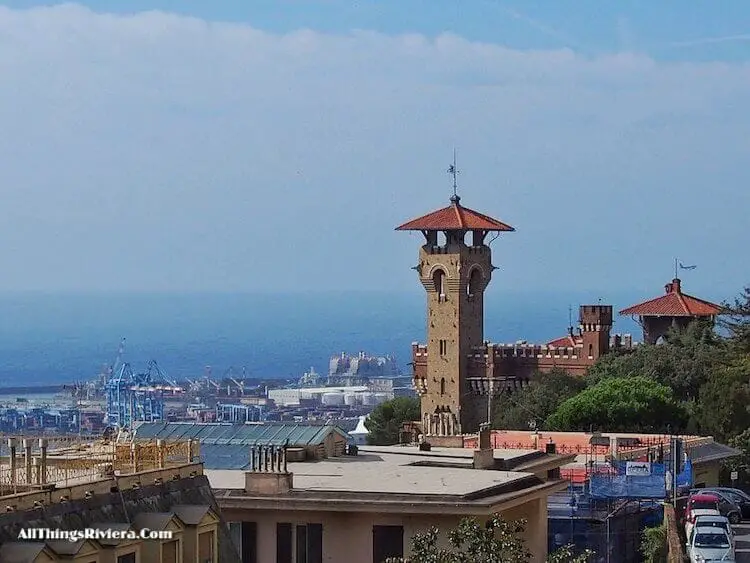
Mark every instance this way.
x=453 y=171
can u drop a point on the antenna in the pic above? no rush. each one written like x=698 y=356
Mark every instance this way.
x=453 y=171
x=676 y=262
x=570 y=316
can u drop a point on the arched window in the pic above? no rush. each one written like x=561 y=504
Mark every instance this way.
x=442 y=386
x=438 y=278
x=474 y=284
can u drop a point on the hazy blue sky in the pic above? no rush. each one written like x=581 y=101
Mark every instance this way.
x=273 y=145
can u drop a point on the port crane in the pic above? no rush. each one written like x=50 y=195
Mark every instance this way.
x=240 y=385
x=195 y=386
x=136 y=396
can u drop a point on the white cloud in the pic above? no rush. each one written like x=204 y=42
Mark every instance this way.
x=161 y=151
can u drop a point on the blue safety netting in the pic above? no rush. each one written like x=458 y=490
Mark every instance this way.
x=653 y=486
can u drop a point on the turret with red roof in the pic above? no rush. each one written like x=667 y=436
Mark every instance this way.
x=674 y=309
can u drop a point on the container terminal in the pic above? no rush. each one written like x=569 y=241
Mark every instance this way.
x=123 y=395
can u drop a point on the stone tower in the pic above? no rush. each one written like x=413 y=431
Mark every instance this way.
x=595 y=324
x=454 y=267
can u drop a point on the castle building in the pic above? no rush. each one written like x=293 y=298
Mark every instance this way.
x=673 y=310
x=456 y=372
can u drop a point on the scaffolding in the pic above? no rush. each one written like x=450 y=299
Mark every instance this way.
x=137 y=397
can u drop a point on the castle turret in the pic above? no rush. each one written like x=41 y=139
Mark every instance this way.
x=673 y=310
x=595 y=325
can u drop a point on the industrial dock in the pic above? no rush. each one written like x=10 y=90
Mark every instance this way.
x=123 y=395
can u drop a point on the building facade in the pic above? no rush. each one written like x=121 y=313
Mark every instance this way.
x=367 y=507
x=153 y=505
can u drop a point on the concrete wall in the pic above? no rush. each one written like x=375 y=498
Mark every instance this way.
x=347 y=536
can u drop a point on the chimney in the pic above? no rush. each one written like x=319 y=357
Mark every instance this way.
x=550 y=447
x=268 y=474
x=674 y=287
x=484 y=457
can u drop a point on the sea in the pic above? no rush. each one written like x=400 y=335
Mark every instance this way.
x=50 y=339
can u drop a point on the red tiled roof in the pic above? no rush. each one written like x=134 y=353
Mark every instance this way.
x=674 y=304
x=455 y=217
x=564 y=341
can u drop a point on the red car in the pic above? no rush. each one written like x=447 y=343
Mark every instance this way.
x=700 y=503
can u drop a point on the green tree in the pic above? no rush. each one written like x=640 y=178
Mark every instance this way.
x=741 y=463
x=385 y=421
x=532 y=405
x=685 y=362
x=621 y=404
x=737 y=321
x=497 y=541
x=724 y=408
x=654 y=544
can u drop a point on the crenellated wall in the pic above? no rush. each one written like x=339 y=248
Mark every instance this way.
x=516 y=362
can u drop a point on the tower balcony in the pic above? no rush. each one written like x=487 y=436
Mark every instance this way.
x=455 y=249
x=493 y=385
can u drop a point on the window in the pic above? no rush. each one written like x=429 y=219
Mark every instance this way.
x=301 y=544
x=283 y=543
x=475 y=280
x=127 y=558
x=206 y=548
x=591 y=350
x=438 y=279
x=442 y=386
x=305 y=547
x=314 y=543
x=169 y=552
x=387 y=541
x=248 y=545
x=443 y=347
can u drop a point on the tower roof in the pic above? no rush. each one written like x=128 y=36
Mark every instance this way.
x=674 y=304
x=455 y=217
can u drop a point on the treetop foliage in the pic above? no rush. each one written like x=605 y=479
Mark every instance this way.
x=621 y=404
x=385 y=421
x=497 y=541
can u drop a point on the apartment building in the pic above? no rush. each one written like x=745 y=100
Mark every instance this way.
x=367 y=507
x=113 y=493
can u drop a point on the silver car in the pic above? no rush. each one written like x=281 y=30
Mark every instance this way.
x=708 y=521
x=710 y=544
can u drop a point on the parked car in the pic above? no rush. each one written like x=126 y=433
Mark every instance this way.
x=738 y=497
x=727 y=506
x=698 y=505
x=710 y=544
x=712 y=521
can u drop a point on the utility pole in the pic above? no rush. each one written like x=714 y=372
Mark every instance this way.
x=489 y=400
x=676 y=449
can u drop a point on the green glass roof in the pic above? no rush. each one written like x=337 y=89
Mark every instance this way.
x=237 y=434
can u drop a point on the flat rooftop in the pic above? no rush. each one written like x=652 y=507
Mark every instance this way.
x=448 y=454
x=397 y=470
